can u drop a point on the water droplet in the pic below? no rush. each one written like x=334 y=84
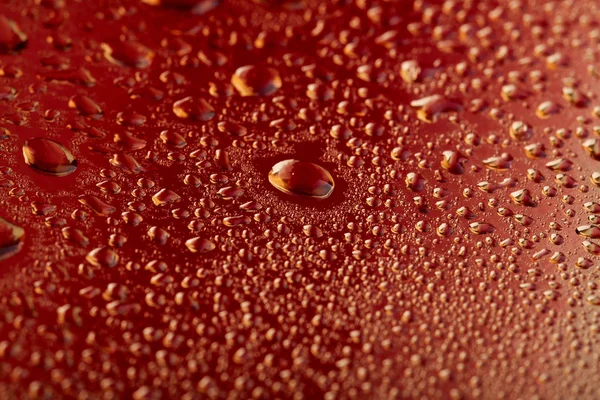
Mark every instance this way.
x=410 y=71
x=97 y=205
x=200 y=245
x=592 y=147
x=589 y=231
x=79 y=76
x=12 y=238
x=194 y=109
x=126 y=140
x=12 y=38
x=232 y=128
x=254 y=80
x=481 y=228
x=197 y=7
x=165 y=196
x=102 y=257
x=429 y=108
x=452 y=161
x=523 y=197
x=49 y=157
x=574 y=97
x=560 y=164
x=499 y=163
x=520 y=131
x=85 y=106
x=126 y=163
x=173 y=139
x=547 y=109
x=414 y=182
x=301 y=178
x=131 y=54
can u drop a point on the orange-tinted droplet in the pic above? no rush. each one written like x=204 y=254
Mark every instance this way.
x=49 y=157
x=197 y=7
x=192 y=108
x=11 y=239
x=301 y=178
x=131 y=54
x=12 y=39
x=252 y=80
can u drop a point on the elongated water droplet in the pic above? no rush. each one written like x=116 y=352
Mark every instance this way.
x=102 y=257
x=197 y=7
x=164 y=197
x=523 y=197
x=131 y=54
x=253 y=80
x=429 y=108
x=49 y=157
x=194 y=109
x=85 y=106
x=481 y=228
x=301 y=178
x=200 y=245
x=11 y=239
x=589 y=231
x=12 y=38
x=453 y=162
x=127 y=163
x=97 y=205
x=592 y=147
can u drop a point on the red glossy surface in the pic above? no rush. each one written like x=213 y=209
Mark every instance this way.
x=456 y=257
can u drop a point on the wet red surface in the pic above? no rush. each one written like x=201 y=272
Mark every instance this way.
x=437 y=239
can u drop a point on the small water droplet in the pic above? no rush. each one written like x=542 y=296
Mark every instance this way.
x=131 y=54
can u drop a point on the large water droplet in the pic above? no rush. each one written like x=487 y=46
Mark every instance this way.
x=592 y=147
x=49 y=157
x=301 y=178
x=102 y=257
x=252 y=80
x=12 y=39
x=197 y=7
x=429 y=108
x=200 y=245
x=165 y=196
x=131 y=54
x=453 y=162
x=481 y=228
x=85 y=106
x=589 y=231
x=192 y=108
x=11 y=239
x=520 y=131
x=100 y=207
